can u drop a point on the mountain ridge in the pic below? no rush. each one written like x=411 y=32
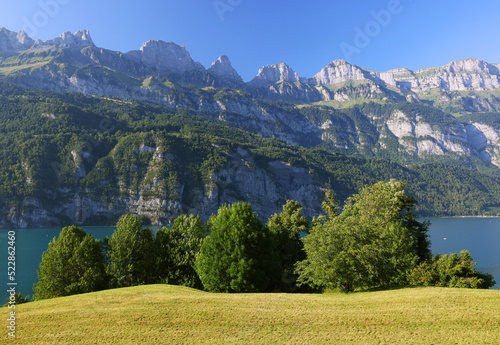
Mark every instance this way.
x=165 y=73
x=174 y=57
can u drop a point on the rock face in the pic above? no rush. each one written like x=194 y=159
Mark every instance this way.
x=80 y=39
x=225 y=74
x=274 y=73
x=162 y=198
x=166 y=56
x=337 y=72
x=471 y=74
x=422 y=138
x=14 y=41
x=263 y=187
x=485 y=140
x=282 y=82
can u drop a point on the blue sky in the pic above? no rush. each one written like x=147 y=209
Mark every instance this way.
x=376 y=34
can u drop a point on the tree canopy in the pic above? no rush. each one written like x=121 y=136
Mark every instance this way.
x=376 y=241
x=368 y=245
x=177 y=248
x=237 y=255
x=454 y=270
x=72 y=264
x=131 y=253
x=286 y=230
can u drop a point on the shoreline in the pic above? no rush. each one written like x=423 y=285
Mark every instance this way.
x=458 y=217
x=157 y=227
x=152 y=227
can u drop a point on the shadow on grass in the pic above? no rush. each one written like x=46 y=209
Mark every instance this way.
x=376 y=289
x=395 y=287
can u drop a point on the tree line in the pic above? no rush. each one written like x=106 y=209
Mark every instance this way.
x=374 y=241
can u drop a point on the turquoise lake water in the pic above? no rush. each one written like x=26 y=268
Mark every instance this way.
x=481 y=236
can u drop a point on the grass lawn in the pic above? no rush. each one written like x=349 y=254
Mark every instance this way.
x=164 y=314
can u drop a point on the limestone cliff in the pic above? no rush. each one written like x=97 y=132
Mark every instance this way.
x=161 y=197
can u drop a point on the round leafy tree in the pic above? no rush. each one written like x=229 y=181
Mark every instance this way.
x=237 y=256
x=375 y=241
x=177 y=248
x=73 y=264
x=131 y=253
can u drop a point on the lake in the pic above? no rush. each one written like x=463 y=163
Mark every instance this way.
x=481 y=236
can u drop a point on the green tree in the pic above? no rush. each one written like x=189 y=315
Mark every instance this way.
x=367 y=245
x=131 y=253
x=237 y=255
x=72 y=264
x=330 y=206
x=454 y=270
x=177 y=249
x=286 y=229
x=385 y=203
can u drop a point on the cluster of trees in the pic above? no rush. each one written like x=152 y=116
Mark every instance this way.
x=375 y=241
x=76 y=263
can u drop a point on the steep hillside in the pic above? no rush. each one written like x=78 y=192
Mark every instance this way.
x=69 y=158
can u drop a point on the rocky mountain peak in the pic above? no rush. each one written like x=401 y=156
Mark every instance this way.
x=222 y=68
x=471 y=66
x=79 y=39
x=167 y=59
x=271 y=74
x=336 y=72
x=84 y=36
x=14 y=41
x=166 y=56
x=339 y=62
x=24 y=39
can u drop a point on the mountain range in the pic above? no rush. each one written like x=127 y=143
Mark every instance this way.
x=72 y=62
x=442 y=115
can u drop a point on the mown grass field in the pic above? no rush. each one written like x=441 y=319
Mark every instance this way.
x=163 y=314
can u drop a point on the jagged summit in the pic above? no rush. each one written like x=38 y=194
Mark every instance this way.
x=168 y=60
x=336 y=72
x=12 y=42
x=80 y=38
x=223 y=68
x=339 y=62
x=166 y=56
x=271 y=74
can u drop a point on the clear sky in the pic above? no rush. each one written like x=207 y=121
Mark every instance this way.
x=307 y=35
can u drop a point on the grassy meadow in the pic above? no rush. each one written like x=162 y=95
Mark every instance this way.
x=165 y=314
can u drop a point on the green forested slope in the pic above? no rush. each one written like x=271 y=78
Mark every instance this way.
x=111 y=149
